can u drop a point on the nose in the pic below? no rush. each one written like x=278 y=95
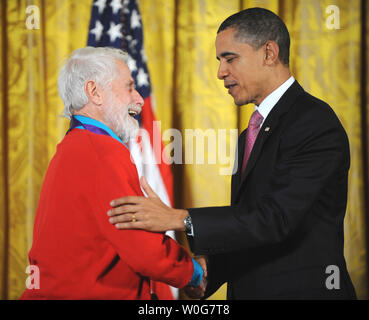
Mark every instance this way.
x=222 y=71
x=137 y=98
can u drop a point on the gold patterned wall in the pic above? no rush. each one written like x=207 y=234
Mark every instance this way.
x=327 y=64
x=179 y=39
x=30 y=118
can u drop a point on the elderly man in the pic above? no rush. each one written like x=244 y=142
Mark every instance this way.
x=282 y=235
x=80 y=255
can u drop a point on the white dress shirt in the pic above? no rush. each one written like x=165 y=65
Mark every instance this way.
x=271 y=100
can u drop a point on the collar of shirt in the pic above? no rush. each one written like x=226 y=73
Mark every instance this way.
x=98 y=124
x=271 y=100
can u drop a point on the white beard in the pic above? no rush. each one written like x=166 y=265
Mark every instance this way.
x=118 y=119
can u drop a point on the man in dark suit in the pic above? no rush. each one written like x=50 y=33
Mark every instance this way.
x=282 y=236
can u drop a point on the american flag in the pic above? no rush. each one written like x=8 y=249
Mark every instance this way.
x=118 y=24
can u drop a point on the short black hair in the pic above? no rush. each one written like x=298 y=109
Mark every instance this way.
x=256 y=26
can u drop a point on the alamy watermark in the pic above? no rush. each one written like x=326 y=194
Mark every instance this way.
x=32 y=17
x=195 y=146
x=33 y=280
x=333 y=280
x=332 y=21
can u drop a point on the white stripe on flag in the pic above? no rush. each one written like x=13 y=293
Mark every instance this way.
x=146 y=166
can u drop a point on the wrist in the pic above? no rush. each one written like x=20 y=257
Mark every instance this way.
x=181 y=215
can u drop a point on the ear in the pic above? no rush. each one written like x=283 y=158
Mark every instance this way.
x=94 y=92
x=271 y=52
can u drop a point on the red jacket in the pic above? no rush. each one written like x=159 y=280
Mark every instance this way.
x=81 y=255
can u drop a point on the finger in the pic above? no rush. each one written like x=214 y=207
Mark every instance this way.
x=122 y=210
x=194 y=292
x=190 y=291
x=204 y=269
x=146 y=187
x=202 y=286
x=126 y=200
x=129 y=225
x=201 y=260
x=124 y=218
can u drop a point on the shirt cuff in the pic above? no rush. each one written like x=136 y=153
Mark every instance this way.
x=197 y=274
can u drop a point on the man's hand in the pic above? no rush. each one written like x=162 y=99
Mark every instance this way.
x=196 y=292
x=199 y=291
x=149 y=213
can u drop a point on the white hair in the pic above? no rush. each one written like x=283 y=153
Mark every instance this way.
x=89 y=63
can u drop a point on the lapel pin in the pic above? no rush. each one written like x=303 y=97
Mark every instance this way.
x=267 y=129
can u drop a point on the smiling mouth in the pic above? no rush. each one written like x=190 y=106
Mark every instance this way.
x=134 y=111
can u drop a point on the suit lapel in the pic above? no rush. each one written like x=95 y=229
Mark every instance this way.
x=269 y=125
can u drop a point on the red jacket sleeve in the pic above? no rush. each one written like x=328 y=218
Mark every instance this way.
x=149 y=254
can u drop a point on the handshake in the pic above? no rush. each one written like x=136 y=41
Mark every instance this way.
x=199 y=291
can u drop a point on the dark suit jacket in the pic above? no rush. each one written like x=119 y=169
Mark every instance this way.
x=284 y=226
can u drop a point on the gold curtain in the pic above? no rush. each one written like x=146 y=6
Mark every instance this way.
x=30 y=118
x=179 y=40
